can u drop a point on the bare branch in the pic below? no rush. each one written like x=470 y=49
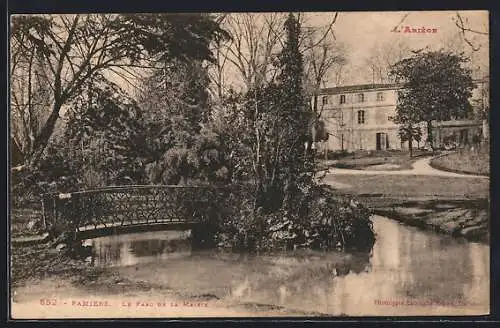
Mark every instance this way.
x=462 y=27
x=396 y=27
x=459 y=22
x=325 y=34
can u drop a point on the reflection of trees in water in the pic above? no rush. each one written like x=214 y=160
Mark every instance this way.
x=107 y=254
x=155 y=247
x=303 y=283
x=406 y=263
x=434 y=266
x=150 y=247
x=386 y=263
x=479 y=290
x=124 y=249
x=317 y=284
x=417 y=264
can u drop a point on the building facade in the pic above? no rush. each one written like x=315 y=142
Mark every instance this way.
x=360 y=117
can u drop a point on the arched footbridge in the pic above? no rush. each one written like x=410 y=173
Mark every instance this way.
x=120 y=209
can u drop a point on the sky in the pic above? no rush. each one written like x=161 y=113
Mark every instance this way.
x=362 y=31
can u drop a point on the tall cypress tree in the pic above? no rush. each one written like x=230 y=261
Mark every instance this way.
x=280 y=117
x=290 y=59
x=295 y=113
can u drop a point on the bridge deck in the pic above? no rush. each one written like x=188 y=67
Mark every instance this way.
x=132 y=223
x=144 y=226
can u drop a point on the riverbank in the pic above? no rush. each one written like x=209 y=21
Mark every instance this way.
x=455 y=206
x=460 y=218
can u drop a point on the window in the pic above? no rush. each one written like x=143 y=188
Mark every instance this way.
x=342 y=99
x=361 y=117
x=380 y=96
x=324 y=100
x=361 y=97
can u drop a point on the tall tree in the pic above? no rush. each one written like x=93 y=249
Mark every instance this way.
x=323 y=57
x=29 y=84
x=295 y=111
x=104 y=131
x=277 y=117
x=382 y=56
x=175 y=107
x=249 y=57
x=436 y=87
x=73 y=49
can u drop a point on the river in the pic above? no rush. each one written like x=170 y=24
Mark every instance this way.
x=409 y=272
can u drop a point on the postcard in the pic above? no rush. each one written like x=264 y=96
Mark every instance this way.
x=272 y=164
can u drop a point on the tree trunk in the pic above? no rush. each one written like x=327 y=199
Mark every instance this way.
x=410 y=146
x=43 y=138
x=313 y=129
x=430 y=137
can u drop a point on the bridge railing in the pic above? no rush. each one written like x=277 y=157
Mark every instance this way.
x=137 y=205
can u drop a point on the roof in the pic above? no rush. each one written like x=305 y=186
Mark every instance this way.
x=360 y=87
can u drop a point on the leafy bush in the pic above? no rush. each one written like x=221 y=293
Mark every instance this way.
x=327 y=224
x=56 y=172
x=320 y=222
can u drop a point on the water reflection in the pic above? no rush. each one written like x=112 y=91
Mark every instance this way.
x=416 y=267
x=405 y=264
x=131 y=249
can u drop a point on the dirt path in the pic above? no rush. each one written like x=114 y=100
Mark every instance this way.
x=419 y=167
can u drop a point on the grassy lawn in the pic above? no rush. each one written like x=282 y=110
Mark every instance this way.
x=475 y=161
x=412 y=186
x=387 y=160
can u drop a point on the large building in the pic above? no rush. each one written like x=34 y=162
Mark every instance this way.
x=360 y=117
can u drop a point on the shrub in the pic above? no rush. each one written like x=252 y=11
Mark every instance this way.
x=56 y=172
x=319 y=222
x=238 y=225
x=323 y=223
